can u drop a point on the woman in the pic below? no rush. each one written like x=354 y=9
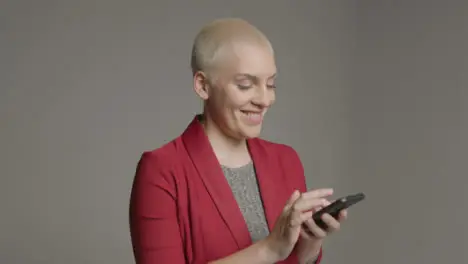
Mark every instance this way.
x=218 y=193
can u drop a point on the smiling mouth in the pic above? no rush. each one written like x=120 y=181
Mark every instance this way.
x=252 y=113
x=253 y=117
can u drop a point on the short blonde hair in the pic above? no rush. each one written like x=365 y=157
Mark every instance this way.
x=214 y=37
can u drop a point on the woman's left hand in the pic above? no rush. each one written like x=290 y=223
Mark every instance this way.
x=312 y=235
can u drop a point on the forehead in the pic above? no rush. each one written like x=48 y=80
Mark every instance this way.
x=254 y=60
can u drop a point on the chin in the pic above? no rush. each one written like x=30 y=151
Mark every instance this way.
x=251 y=132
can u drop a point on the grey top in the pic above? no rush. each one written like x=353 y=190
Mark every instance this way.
x=244 y=186
x=243 y=182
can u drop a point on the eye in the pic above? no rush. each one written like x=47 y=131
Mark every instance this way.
x=271 y=86
x=244 y=87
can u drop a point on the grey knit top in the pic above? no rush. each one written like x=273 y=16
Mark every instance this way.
x=244 y=185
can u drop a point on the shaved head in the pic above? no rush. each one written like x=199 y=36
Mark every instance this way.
x=217 y=40
x=234 y=73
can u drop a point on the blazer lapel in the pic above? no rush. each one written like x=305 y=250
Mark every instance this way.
x=266 y=171
x=209 y=169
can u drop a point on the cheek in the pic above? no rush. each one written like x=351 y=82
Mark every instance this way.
x=235 y=98
x=221 y=99
x=272 y=97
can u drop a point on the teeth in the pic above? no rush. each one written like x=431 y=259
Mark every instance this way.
x=255 y=117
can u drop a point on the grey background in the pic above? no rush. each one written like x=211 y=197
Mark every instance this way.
x=371 y=94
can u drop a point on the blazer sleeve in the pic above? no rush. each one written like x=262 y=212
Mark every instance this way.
x=299 y=182
x=293 y=162
x=154 y=228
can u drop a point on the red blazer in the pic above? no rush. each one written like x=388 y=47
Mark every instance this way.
x=182 y=210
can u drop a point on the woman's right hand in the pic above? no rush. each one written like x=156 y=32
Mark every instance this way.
x=286 y=231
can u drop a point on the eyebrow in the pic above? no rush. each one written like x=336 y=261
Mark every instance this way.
x=252 y=77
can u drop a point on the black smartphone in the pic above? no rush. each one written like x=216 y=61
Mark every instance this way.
x=334 y=208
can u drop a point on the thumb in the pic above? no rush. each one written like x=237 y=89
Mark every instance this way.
x=294 y=196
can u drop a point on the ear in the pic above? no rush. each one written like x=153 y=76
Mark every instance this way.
x=201 y=85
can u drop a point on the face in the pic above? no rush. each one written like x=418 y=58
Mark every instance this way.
x=242 y=91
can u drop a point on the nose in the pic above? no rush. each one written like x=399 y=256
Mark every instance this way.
x=263 y=97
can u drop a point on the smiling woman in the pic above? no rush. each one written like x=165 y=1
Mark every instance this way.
x=218 y=193
x=235 y=78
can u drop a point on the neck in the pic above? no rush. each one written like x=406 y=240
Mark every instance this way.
x=230 y=151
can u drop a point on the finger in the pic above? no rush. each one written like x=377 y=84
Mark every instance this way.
x=292 y=199
x=306 y=204
x=314 y=229
x=314 y=198
x=332 y=223
x=305 y=233
x=294 y=196
x=298 y=218
x=343 y=215
x=318 y=193
x=318 y=208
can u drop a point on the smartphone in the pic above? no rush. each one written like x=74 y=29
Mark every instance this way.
x=334 y=208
